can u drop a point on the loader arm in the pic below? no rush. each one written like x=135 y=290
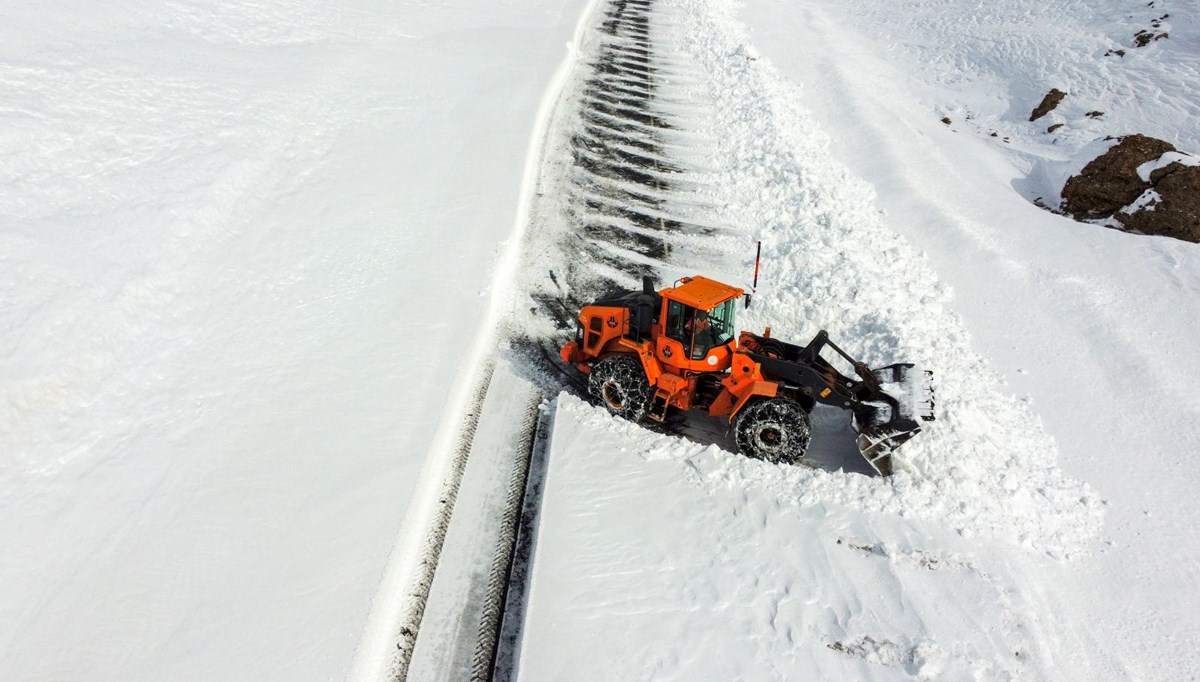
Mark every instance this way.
x=888 y=403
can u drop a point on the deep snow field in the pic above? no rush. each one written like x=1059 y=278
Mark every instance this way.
x=253 y=254
x=243 y=246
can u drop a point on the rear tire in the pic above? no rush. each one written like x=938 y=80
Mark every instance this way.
x=620 y=384
x=771 y=348
x=774 y=430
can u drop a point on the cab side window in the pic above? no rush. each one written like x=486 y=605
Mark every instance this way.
x=676 y=312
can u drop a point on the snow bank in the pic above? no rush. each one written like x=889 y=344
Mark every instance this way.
x=1049 y=175
x=832 y=262
x=659 y=557
x=1092 y=328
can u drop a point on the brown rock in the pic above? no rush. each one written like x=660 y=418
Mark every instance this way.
x=1050 y=101
x=1144 y=38
x=1054 y=127
x=1178 y=213
x=1157 y=175
x=1110 y=181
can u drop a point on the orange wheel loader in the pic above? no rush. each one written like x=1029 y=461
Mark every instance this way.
x=646 y=352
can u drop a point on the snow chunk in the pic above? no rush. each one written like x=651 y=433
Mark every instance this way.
x=1147 y=169
x=1146 y=202
x=1048 y=176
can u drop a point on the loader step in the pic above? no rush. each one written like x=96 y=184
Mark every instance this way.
x=658 y=405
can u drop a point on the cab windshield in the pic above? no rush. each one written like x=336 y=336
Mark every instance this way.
x=722 y=322
x=700 y=331
x=710 y=329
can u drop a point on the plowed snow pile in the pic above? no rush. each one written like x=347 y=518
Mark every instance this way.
x=986 y=465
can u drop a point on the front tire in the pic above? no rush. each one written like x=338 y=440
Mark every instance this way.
x=620 y=384
x=774 y=430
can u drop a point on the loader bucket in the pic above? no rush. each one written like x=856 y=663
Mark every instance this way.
x=893 y=414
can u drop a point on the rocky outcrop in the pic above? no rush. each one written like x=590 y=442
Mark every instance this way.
x=1051 y=100
x=1171 y=208
x=1143 y=184
x=1110 y=182
x=1144 y=38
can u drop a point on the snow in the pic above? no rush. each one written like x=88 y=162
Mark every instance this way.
x=450 y=628
x=687 y=562
x=816 y=219
x=1049 y=175
x=256 y=256
x=1146 y=201
x=1052 y=494
x=232 y=234
x=1147 y=169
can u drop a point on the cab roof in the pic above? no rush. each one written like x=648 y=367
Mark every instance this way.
x=701 y=292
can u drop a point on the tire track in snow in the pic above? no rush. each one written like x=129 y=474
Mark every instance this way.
x=386 y=648
x=498 y=641
x=620 y=201
x=626 y=191
x=617 y=198
x=437 y=528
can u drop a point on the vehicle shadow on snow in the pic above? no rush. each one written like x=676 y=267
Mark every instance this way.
x=833 y=446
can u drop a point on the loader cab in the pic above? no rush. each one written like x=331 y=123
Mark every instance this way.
x=699 y=325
